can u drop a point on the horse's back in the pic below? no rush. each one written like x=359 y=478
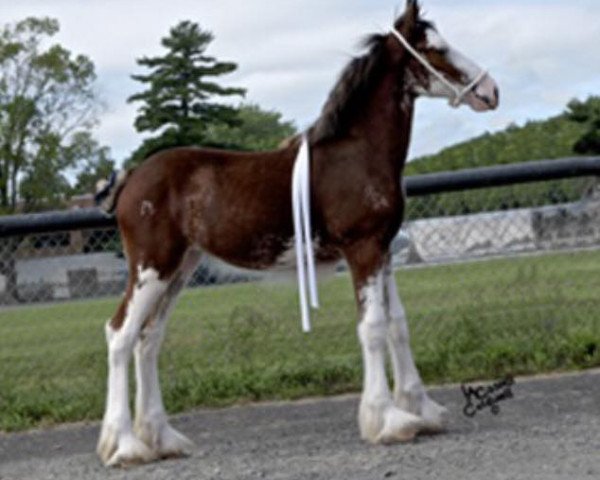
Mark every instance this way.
x=234 y=205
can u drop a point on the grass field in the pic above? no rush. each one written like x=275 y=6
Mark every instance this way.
x=243 y=342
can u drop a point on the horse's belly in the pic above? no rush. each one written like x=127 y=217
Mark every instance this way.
x=286 y=262
x=279 y=261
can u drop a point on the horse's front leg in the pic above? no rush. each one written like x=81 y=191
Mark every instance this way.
x=380 y=420
x=409 y=391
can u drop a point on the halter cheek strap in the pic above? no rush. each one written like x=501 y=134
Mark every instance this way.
x=459 y=94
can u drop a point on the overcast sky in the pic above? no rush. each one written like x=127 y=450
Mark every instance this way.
x=541 y=52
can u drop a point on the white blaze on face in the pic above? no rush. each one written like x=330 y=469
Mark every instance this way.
x=484 y=95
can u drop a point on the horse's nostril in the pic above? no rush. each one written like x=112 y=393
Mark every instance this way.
x=489 y=101
x=496 y=94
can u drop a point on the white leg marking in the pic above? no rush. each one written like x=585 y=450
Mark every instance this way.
x=117 y=444
x=409 y=392
x=151 y=422
x=380 y=420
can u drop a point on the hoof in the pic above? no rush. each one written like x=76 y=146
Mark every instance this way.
x=164 y=439
x=387 y=424
x=119 y=450
x=435 y=417
x=131 y=451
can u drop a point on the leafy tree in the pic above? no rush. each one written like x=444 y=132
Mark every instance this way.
x=257 y=130
x=586 y=113
x=536 y=140
x=179 y=101
x=47 y=104
x=95 y=164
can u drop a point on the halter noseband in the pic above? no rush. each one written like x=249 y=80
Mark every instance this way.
x=458 y=93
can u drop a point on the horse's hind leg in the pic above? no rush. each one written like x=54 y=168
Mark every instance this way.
x=118 y=444
x=151 y=423
x=409 y=391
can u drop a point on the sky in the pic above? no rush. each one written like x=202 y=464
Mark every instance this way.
x=542 y=53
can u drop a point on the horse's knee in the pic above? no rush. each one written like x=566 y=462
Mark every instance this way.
x=120 y=344
x=398 y=332
x=149 y=342
x=372 y=333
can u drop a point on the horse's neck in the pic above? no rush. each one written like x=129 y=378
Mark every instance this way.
x=386 y=124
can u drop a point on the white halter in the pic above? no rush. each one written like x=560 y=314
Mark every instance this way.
x=458 y=93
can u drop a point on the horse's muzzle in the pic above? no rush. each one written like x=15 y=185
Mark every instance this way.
x=484 y=96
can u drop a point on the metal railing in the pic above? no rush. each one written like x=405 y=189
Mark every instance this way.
x=416 y=185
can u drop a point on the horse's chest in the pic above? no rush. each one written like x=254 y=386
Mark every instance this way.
x=376 y=200
x=364 y=210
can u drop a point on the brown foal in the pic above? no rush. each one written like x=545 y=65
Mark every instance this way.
x=185 y=202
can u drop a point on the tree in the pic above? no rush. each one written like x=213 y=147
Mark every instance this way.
x=257 y=130
x=96 y=164
x=180 y=99
x=586 y=113
x=47 y=104
x=536 y=140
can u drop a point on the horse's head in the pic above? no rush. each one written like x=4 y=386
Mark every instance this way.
x=435 y=69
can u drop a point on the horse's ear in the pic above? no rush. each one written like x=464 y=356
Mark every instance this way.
x=410 y=17
x=413 y=4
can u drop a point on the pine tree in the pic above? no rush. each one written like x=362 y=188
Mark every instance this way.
x=180 y=98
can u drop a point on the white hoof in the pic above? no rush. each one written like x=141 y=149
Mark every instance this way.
x=163 y=439
x=121 y=449
x=435 y=416
x=387 y=424
x=131 y=451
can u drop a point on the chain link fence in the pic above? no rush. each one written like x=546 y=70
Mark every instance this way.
x=498 y=281
x=89 y=263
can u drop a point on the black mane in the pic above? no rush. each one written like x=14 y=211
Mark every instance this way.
x=350 y=91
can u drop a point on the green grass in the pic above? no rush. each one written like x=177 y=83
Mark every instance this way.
x=243 y=342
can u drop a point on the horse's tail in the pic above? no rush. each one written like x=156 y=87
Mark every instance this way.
x=292 y=141
x=108 y=191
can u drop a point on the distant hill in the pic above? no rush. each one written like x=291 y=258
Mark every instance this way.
x=536 y=140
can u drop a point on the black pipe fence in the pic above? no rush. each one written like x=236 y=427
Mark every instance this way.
x=416 y=185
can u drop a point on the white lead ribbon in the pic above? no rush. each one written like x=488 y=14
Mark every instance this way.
x=458 y=93
x=305 y=257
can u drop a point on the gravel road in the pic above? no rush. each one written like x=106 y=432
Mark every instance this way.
x=549 y=430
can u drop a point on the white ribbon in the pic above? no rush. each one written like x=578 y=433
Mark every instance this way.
x=458 y=93
x=305 y=258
